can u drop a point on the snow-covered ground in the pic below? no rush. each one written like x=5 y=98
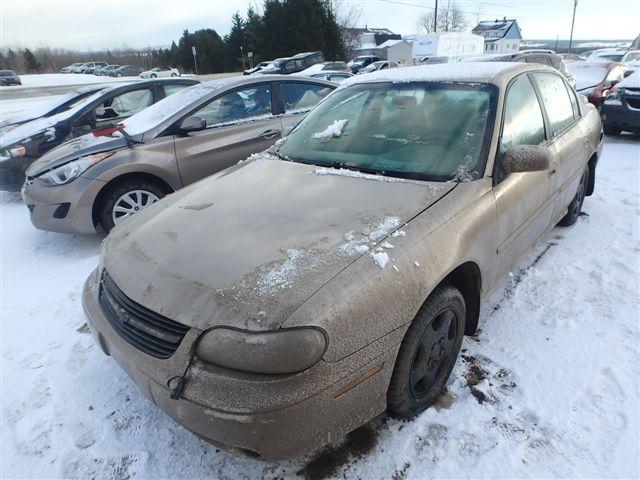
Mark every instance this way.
x=56 y=79
x=549 y=387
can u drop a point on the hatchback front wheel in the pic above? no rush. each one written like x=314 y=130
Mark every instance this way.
x=126 y=199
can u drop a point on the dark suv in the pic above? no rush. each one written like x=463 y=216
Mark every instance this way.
x=294 y=64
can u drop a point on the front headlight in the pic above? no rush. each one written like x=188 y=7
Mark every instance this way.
x=614 y=96
x=72 y=170
x=288 y=350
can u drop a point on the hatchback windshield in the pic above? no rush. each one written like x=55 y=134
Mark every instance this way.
x=424 y=131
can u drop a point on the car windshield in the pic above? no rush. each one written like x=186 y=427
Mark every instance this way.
x=157 y=113
x=425 y=131
x=6 y=73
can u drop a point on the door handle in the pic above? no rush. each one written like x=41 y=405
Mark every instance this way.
x=269 y=134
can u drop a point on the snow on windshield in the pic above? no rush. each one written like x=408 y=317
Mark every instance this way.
x=157 y=113
x=587 y=74
x=333 y=130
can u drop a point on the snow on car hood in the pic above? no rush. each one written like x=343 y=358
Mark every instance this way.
x=73 y=149
x=632 y=81
x=247 y=246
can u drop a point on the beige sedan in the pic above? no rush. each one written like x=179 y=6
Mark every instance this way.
x=99 y=181
x=287 y=300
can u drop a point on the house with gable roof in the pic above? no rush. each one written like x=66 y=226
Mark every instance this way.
x=500 y=36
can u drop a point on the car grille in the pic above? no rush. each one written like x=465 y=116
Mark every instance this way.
x=149 y=332
x=633 y=102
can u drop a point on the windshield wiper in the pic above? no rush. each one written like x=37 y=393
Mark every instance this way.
x=130 y=140
x=357 y=168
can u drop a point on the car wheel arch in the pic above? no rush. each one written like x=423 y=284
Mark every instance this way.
x=142 y=176
x=592 y=174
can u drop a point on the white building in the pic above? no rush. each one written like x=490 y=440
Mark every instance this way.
x=395 y=51
x=500 y=36
x=446 y=44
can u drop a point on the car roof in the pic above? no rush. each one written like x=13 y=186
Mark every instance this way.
x=239 y=80
x=481 y=72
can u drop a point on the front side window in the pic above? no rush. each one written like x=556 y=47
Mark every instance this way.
x=426 y=131
x=300 y=96
x=171 y=89
x=125 y=105
x=523 y=123
x=556 y=100
x=245 y=104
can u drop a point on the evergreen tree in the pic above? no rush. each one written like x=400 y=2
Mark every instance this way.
x=4 y=62
x=254 y=34
x=12 y=60
x=31 y=63
x=174 y=55
x=277 y=40
x=233 y=42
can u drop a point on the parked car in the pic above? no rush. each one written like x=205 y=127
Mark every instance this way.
x=309 y=58
x=332 y=76
x=283 y=302
x=90 y=67
x=24 y=144
x=381 y=65
x=257 y=68
x=540 y=56
x=126 y=71
x=325 y=66
x=607 y=54
x=621 y=108
x=283 y=66
x=70 y=68
x=79 y=68
x=193 y=134
x=595 y=79
x=104 y=71
x=631 y=58
x=570 y=57
x=8 y=77
x=159 y=72
x=48 y=109
x=360 y=62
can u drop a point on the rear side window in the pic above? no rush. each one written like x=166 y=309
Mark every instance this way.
x=556 y=100
x=127 y=104
x=298 y=96
x=523 y=123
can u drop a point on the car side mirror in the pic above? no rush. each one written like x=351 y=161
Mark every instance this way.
x=526 y=158
x=193 y=123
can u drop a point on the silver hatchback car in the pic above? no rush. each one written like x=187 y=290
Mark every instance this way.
x=101 y=180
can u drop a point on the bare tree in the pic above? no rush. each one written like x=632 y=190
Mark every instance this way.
x=348 y=16
x=451 y=19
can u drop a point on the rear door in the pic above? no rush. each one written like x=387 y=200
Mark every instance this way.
x=569 y=143
x=522 y=199
x=239 y=122
x=296 y=99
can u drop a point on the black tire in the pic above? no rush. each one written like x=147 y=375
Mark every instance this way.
x=174 y=75
x=611 y=130
x=575 y=207
x=434 y=339
x=108 y=200
x=153 y=75
x=118 y=74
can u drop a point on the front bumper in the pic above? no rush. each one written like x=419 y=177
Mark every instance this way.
x=271 y=416
x=63 y=208
x=621 y=115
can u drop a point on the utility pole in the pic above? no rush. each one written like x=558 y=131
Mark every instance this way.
x=242 y=54
x=435 y=18
x=195 y=63
x=575 y=4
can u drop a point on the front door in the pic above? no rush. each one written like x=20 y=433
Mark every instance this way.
x=523 y=200
x=239 y=123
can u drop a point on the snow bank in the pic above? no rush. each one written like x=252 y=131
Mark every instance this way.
x=57 y=79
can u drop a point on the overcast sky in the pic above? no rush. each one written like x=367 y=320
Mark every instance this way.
x=100 y=24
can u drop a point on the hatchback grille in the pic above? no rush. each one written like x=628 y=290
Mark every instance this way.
x=634 y=102
x=149 y=332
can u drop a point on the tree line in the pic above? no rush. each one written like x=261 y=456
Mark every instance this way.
x=282 y=28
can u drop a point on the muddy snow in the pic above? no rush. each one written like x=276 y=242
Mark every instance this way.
x=548 y=387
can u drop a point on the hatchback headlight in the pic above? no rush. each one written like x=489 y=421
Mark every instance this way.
x=72 y=170
x=288 y=350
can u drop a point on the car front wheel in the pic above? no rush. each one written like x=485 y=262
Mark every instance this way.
x=575 y=207
x=427 y=353
x=174 y=75
x=126 y=199
x=153 y=75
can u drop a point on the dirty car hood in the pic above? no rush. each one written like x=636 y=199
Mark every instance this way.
x=248 y=246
